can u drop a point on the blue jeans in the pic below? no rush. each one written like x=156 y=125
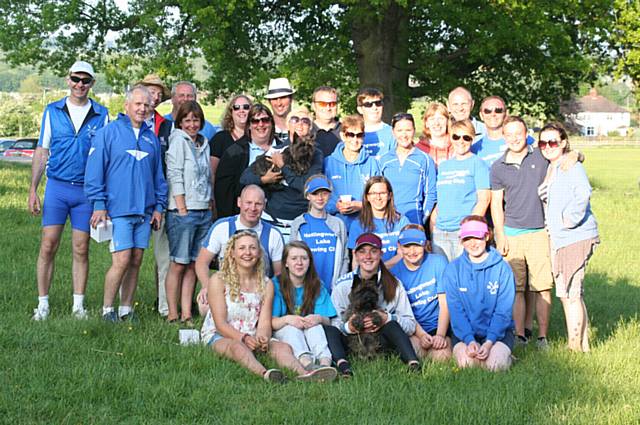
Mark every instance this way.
x=446 y=243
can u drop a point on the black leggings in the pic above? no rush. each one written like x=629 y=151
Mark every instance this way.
x=392 y=338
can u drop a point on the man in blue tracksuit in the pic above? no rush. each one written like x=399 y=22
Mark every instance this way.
x=349 y=167
x=68 y=126
x=124 y=181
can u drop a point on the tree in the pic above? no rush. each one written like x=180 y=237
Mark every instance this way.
x=627 y=38
x=532 y=53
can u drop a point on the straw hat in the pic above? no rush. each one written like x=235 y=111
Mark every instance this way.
x=154 y=80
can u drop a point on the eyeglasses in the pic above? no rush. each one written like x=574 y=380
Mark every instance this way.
x=490 y=111
x=304 y=120
x=263 y=120
x=351 y=135
x=75 y=79
x=543 y=144
x=244 y=106
x=324 y=104
x=370 y=104
x=378 y=194
x=464 y=137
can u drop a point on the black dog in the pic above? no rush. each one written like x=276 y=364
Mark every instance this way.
x=297 y=156
x=363 y=303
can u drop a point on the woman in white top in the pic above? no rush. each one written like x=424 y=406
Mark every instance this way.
x=241 y=299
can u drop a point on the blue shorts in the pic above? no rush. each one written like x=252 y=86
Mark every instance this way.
x=507 y=340
x=130 y=231
x=62 y=200
x=186 y=233
x=216 y=337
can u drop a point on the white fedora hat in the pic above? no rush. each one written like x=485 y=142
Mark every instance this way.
x=279 y=87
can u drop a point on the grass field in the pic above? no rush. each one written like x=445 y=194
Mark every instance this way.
x=69 y=372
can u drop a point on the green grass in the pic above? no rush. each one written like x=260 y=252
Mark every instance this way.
x=67 y=372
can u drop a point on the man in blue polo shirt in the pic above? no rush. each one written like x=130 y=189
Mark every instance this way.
x=518 y=219
x=68 y=127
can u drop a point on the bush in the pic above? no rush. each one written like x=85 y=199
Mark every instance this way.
x=17 y=118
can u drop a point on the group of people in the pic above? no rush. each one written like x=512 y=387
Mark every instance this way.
x=330 y=236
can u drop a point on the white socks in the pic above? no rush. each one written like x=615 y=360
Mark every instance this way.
x=123 y=310
x=43 y=303
x=106 y=310
x=78 y=302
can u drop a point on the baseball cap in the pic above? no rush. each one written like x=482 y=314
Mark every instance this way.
x=412 y=236
x=82 y=66
x=368 y=239
x=473 y=229
x=317 y=183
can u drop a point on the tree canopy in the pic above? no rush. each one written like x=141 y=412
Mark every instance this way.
x=532 y=53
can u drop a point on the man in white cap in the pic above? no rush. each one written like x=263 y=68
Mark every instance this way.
x=68 y=128
x=280 y=95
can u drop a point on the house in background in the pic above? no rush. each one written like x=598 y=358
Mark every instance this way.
x=595 y=115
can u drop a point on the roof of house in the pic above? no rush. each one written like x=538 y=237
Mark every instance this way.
x=592 y=102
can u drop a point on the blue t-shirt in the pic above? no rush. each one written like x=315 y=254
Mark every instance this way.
x=377 y=143
x=423 y=286
x=389 y=236
x=324 y=306
x=458 y=181
x=322 y=241
x=489 y=150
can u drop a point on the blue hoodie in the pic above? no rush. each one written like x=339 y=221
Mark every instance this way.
x=348 y=178
x=124 y=174
x=480 y=297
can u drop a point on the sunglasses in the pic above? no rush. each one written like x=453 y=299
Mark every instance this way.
x=464 y=137
x=371 y=104
x=75 y=79
x=295 y=120
x=490 y=111
x=244 y=106
x=263 y=120
x=543 y=144
x=324 y=104
x=351 y=135
x=401 y=116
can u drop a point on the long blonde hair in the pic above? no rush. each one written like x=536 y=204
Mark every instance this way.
x=229 y=269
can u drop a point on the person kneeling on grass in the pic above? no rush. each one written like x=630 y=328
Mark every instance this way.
x=421 y=275
x=241 y=298
x=480 y=291
x=301 y=305
x=385 y=326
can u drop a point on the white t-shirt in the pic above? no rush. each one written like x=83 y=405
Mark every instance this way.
x=78 y=113
x=219 y=236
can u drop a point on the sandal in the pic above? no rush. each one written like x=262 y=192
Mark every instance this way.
x=275 y=376
x=188 y=322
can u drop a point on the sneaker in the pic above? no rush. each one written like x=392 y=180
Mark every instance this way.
x=111 y=317
x=312 y=366
x=542 y=344
x=321 y=374
x=40 y=314
x=528 y=333
x=414 y=367
x=345 y=370
x=275 y=376
x=131 y=317
x=521 y=341
x=80 y=313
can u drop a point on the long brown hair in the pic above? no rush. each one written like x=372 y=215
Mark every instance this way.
x=227 y=117
x=311 y=282
x=390 y=213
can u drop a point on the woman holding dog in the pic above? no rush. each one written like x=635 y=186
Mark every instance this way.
x=411 y=172
x=323 y=233
x=388 y=324
x=480 y=290
x=241 y=299
x=379 y=216
x=420 y=273
x=301 y=306
x=188 y=214
x=572 y=227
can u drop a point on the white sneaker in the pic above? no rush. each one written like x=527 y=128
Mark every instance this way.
x=80 y=313
x=40 y=314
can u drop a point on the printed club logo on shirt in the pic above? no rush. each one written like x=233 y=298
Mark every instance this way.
x=493 y=287
x=138 y=155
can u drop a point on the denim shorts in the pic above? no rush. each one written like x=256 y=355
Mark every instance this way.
x=130 y=231
x=186 y=233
